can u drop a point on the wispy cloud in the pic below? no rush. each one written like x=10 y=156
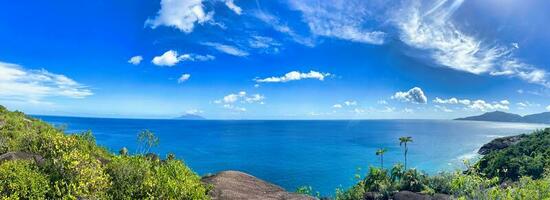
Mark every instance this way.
x=432 y=31
x=18 y=83
x=180 y=14
x=231 y=5
x=171 y=58
x=294 y=76
x=135 y=60
x=414 y=95
x=228 y=49
x=279 y=26
x=342 y=19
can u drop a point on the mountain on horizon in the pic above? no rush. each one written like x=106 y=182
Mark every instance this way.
x=499 y=116
x=190 y=117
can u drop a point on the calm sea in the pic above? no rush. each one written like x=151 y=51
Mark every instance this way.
x=321 y=154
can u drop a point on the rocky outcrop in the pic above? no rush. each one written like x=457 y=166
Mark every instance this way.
x=235 y=185
x=22 y=156
x=407 y=195
x=500 y=143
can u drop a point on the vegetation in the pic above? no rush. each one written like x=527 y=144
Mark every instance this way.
x=75 y=167
x=380 y=152
x=403 y=141
x=521 y=171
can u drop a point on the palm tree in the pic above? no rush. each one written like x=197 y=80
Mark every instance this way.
x=380 y=152
x=404 y=141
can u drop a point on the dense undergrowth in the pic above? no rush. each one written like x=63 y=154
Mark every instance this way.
x=517 y=172
x=74 y=167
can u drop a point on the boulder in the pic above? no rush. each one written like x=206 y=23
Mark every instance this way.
x=500 y=143
x=22 y=156
x=235 y=185
x=408 y=195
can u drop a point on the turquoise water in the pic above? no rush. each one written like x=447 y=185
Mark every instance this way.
x=321 y=154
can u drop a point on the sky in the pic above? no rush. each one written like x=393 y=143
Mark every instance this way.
x=266 y=59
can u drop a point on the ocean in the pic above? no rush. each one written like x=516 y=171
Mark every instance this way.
x=323 y=154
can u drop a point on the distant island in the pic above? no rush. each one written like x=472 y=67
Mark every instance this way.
x=190 y=117
x=499 y=116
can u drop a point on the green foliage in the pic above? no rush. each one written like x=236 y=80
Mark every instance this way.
x=77 y=168
x=22 y=180
x=527 y=158
x=147 y=140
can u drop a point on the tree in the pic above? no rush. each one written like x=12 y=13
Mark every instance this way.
x=380 y=152
x=147 y=140
x=403 y=142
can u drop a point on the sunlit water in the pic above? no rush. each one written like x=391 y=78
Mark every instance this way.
x=321 y=154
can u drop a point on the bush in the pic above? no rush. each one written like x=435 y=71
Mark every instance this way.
x=22 y=180
x=77 y=168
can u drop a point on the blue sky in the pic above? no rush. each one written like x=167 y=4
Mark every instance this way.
x=307 y=59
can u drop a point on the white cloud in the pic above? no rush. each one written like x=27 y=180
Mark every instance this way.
x=479 y=104
x=228 y=49
x=279 y=26
x=548 y=107
x=180 y=14
x=184 y=77
x=231 y=5
x=525 y=104
x=294 y=76
x=256 y=85
x=408 y=110
x=350 y=103
x=135 y=60
x=443 y=108
x=171 y=58
x=234 y=101
x=337 y=106
x=484 y=106
x=382 y=102
x=20 y=84
x=194 y=112
x=432 y=30
x=414 y=95
x=342 y=19
x=452 y=100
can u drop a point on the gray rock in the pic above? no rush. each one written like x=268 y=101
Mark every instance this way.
x=22 y=156
x=235 y=185
x=500 y=143
x=408 y=195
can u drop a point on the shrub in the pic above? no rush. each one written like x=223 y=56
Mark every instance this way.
x=22 y=180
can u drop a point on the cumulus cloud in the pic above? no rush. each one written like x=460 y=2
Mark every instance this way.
x=485 y=106
x=414 y=95
x=184 y=77
x=180 y=14
x=337 y=106
x=228 y=49
x=231 y=5
x=135 y=60
x=235 y=101
x=432 y=30
x=294 y=76
x=342 y=19
x=171 y=58
x=20 y=84
x=479 y=104
x=548 y=107
x=452 y=100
